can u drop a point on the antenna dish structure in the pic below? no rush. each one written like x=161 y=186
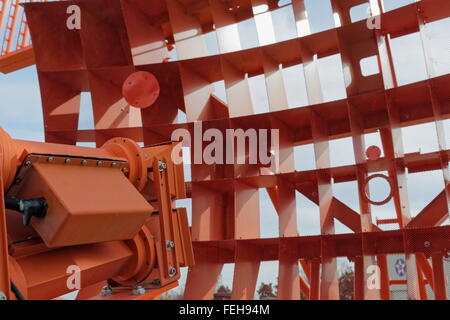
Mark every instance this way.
x=169 y=42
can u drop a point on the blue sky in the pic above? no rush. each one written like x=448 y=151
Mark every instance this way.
x=21 y=116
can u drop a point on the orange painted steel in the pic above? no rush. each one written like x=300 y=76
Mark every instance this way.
x=16 y=51
x=133 y=37
x=5 y=277
x=97 y=219
x=141 y=89
x=11 y=23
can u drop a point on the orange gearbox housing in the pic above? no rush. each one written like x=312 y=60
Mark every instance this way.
x=89 y=198
x=86 y=203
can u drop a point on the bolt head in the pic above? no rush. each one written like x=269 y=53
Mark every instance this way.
x=28 y=163
x=162 y=165
x=99 y=163
x=84 y=162
x=67 y=160
x=50 y=159
x=170 y=244
x=106 y=291
x=3 y=296
x=172 y=271
x=139 y=290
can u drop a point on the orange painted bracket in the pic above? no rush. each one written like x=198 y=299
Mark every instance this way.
x=17 y=60
x=5 y=286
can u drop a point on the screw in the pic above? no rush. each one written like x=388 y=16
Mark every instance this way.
x=170 y=244
x=113 y=164
x=67 y=160
x=427 y=244
x=99 y=163
x=139 y=290
x=106 y=291
x=28 y=163
x=172 y=271
x=50 y=159
x=162 y=166
x=84 y=162
x=3 y=296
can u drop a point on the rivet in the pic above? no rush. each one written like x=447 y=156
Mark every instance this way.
x=50 y=159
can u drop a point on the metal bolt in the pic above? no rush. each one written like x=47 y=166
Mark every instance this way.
x=156 y=282
x=113 y=164
x=50 y=159
x=172 y=271
x=28 y=163
x=3 y=296
x=170 y=244
x=427 y=244
x=84 y=162
x=106 y=291
x=99 y=163
x=67 y=160
x=162 y=165
x=139 y=290
x=124 y=169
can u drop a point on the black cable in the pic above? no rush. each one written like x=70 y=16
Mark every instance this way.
x=17 y=292
x=12 y=204
x=28 y=208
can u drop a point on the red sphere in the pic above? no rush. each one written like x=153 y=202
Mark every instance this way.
x=141 y=89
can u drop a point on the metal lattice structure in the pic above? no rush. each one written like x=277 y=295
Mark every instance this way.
x=16 y=51
x=119 y=37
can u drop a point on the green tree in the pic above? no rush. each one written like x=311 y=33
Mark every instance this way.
x=346 y=284
x=222 y=292
x=267 y=291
